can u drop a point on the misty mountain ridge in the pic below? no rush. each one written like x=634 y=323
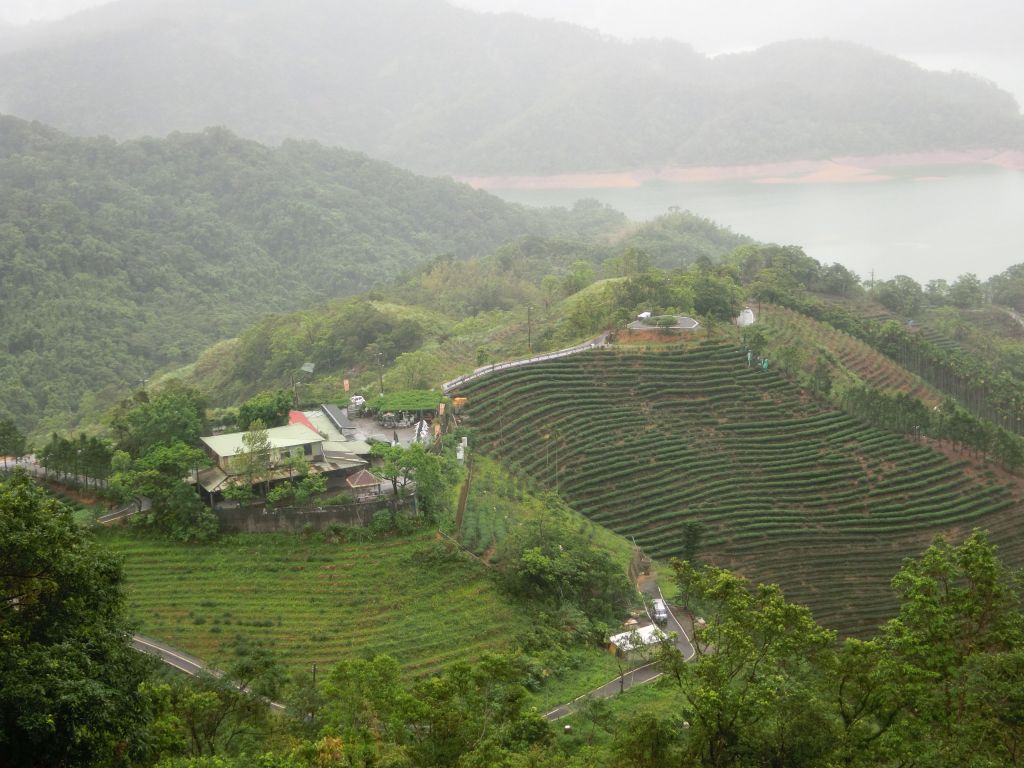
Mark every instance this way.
x=441 y=89
x=121 y=258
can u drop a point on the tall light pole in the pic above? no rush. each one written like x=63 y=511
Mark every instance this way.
x=380 y=372
x=529 y=327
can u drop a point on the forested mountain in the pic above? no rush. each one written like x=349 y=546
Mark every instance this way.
x=441 y=89
x=118 y=259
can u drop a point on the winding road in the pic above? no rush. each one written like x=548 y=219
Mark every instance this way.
x=647 y=673
x=183 y=662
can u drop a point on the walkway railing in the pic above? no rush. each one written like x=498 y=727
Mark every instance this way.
x=450 y=386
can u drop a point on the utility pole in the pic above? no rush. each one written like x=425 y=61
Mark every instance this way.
x=529 y=328
x=312 y=714
x=380 y=372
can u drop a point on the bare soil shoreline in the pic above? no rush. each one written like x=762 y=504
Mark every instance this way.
x=837 y=170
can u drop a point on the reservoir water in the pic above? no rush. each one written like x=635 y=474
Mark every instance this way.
x=925 y=222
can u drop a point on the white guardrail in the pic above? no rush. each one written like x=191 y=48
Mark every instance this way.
x=450 y=386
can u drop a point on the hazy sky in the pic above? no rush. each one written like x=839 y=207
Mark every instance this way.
x=929 y=26
x=977 y=35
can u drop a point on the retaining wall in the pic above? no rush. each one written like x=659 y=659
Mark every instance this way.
x=294 y=520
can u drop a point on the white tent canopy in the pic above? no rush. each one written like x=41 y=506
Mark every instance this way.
x=638 y=638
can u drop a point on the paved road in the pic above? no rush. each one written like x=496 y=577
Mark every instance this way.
x=638 y=676
x=141 y=504
x=1014 y=314
x=180 y=660
x=648 y=585
x=183 y=662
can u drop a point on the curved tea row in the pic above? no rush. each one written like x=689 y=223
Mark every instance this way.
x=784 y=489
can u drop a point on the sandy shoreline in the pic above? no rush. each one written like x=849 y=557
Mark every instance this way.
x=838 y=170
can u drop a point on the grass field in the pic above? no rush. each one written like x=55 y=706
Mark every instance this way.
x=316 y=601
x=785 y=490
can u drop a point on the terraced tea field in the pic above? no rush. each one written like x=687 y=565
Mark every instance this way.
x=787 y=327
x=316 y=601
x=786 y=490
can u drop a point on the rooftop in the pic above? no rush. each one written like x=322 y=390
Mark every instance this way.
x=280 y=437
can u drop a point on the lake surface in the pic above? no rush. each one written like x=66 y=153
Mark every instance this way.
x=926 y=222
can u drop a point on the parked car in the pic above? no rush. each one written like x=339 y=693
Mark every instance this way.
x=660 y=611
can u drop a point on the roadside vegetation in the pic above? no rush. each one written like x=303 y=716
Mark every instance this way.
x=936 y=683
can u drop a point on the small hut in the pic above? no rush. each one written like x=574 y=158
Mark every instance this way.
x=364 y=484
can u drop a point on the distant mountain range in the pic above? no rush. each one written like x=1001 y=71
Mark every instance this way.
x=119 y=259
x=444 y=90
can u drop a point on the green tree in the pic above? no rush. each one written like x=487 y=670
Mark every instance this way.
x=175 y=412
x=253 y=461
x=160 y=476
x=550 y=291
x=838 y=280
x=12 y=442
x=902 y=294
x=229 y=713
x=395 y=465
x=69 y=691
x=753 y=695
x=967 y=291
x=578 y=277
x=366 y=702
x=629 y=263
x=937 y=291
x=434 y=474
x=959 y=639
x=716 y=297
x=271 y=408
x=548 y=560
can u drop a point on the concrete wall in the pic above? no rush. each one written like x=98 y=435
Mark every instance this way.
x=261 y=519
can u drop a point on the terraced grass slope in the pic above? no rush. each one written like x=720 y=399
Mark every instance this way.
x=786 y=490
x=316 y=601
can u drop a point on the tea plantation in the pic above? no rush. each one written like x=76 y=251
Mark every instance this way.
x=315 y=601
x=784 y=490
x=786 y=327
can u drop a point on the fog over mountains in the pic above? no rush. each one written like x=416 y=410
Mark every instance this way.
x=442 y=89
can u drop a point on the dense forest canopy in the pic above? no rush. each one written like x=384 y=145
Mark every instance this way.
x=441 y=89
x=123 y=258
